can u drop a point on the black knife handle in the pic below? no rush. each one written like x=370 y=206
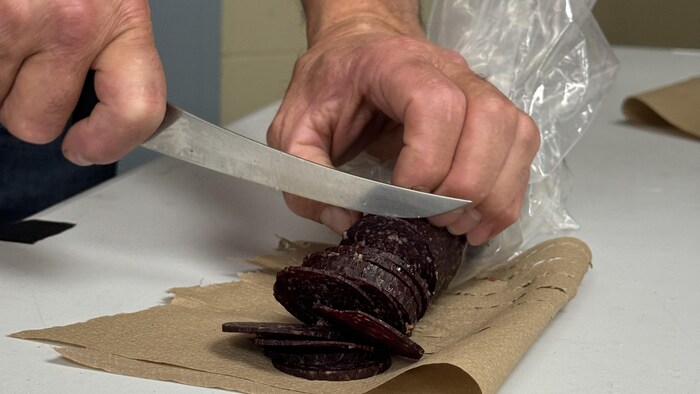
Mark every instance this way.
x=88 y=98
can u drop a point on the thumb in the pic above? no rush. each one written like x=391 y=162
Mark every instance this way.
x=308 y=143
x=130 y=87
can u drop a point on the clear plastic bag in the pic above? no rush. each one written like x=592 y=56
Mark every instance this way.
x=548 y=56
x=552 y=60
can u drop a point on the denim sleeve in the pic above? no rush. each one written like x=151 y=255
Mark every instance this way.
x=34 y=177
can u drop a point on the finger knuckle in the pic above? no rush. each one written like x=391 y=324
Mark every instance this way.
x=403 y=43
x=145 y=112
x=476 y=193
x=528 y=135
x=472 y=189
x=428 y=172
x=76 y=22
x=134 y=8
x=280 y=134
x=301 y=65
x=510 y=215
x=273 y=132
x=455 y=58
x=505 y=204
x=15 y=16
x=441 y=98
x=76 y=18
x=132 y=14
x=300 y=207
x=497 y=104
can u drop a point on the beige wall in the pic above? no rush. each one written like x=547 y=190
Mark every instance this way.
x=665 y=23
x=261 y=39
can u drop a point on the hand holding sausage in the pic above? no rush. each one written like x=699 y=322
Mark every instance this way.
x=371 y=75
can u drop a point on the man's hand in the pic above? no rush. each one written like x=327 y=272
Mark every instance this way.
x=46 y=50
x=370 y=75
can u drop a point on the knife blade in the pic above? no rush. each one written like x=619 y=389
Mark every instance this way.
x=189 y=138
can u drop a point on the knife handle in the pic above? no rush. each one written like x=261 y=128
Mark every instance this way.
x=88 y=99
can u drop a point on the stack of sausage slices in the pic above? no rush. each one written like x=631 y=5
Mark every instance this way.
x=359 y=301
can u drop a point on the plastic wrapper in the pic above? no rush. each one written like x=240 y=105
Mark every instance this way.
x=552 y=60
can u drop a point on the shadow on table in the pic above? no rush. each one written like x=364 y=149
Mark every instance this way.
x=659 y=127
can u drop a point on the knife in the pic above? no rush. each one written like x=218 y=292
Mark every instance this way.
x=189 y=138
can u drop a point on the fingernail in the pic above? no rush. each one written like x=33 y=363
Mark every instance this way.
x=446 y=218
x=469 y=219
x=76 y=158
x=472 y=219
x=337 y=219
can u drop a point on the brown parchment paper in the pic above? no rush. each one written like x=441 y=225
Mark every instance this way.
x=473 y=336
x=677 y=105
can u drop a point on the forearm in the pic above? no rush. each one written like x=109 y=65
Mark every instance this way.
x=325 y=15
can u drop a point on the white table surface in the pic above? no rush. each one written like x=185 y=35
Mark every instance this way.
x=634 y=326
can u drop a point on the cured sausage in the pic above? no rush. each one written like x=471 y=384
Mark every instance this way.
x=358 y=301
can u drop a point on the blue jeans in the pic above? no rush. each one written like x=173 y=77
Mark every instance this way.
x=34 y=177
